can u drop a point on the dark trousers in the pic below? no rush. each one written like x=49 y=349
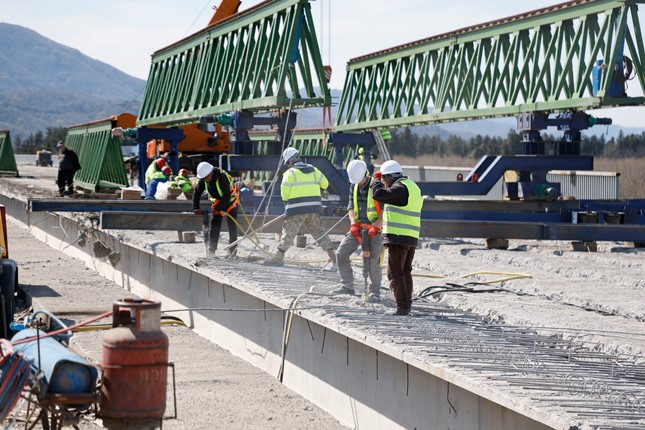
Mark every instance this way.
x=216 y=226
x=65 y=178
x=399 y=273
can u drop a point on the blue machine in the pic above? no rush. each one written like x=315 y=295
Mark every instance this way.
x=65 y=372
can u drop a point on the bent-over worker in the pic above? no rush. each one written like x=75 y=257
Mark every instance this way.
x=225 y=199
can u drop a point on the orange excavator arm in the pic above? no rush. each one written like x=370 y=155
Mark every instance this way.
x=225 y=9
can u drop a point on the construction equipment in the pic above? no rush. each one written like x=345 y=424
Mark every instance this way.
x=44 y=158
x=546 y=67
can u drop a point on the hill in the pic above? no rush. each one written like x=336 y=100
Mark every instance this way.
x=46 y=84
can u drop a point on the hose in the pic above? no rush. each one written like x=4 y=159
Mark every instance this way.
x=14 y=376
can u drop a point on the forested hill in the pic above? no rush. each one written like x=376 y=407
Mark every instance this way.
x=46 y=84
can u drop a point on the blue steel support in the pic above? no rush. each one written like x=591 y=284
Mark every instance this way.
x=491 y=168
x=363 y=140
x=144 y=135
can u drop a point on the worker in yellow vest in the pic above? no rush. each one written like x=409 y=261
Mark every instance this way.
x=365 y=214
x=301 y=189
x=401 y=227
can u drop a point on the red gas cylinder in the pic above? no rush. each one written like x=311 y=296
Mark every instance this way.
x=135 y=367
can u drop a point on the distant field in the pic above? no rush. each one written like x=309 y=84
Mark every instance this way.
x=632 y=174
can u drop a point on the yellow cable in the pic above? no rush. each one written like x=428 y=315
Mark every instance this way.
x=109 y=326
x=511 y=277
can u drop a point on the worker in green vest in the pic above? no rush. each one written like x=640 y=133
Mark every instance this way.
x=301 y=189
x=154 y=167
x=157 y=177
x=182 y=182
x=401 y=226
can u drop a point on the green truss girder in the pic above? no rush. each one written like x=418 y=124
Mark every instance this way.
x=102 y=167
x=539 y=61
x=262 y=59
x=8 y=166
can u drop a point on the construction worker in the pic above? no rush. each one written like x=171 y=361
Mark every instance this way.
x=153 y=168
x=364 y=214
x=182 y=182
x=67 y=168
x=401 y=225
x=157 y=178
x=301 y=189
x=360 y=156
x=224 y=196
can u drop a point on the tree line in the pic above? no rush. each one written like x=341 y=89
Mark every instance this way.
x=39 y=140
x=406 y=143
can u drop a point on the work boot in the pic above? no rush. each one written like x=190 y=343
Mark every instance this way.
x=276 y=260
x=332 y=256
x=344 y=290
x=373 y=298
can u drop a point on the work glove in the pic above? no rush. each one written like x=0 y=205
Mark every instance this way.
x=373 y=231
x=355 y=230
x=198 y=212
x=215 y=211
x=377 y=175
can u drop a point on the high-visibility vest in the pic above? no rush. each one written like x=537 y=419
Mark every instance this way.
x=301 y=191
x=404 y=220
x=151 y=170
x=373 y=207
x=158 y=175
x=183 y=183
x=234 y=189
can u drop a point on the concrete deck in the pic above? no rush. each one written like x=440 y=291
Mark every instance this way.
x=440 y=368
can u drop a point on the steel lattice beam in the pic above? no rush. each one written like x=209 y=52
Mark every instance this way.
x=262 y=59
x=538 y=61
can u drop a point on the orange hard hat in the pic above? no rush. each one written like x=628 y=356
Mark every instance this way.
x=166 y=170
x=184 y=172
x=161 y=162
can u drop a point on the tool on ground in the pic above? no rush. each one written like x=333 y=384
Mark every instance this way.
x=365 y=253
x=205 y=228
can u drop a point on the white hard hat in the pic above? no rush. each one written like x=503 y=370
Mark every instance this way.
x=289 y=153
x=204 y=169
x=391 y=167
x=356 y=170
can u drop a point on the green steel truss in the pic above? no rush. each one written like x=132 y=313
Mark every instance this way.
x=539 y=61
x=8 y=166
x=102 y=167
x=262 y=59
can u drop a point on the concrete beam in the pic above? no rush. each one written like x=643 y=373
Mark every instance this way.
x=429 y=228
x=150 y=221
x=87 y=205
x=189 y=222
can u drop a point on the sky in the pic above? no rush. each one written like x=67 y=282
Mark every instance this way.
x=125 y=33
